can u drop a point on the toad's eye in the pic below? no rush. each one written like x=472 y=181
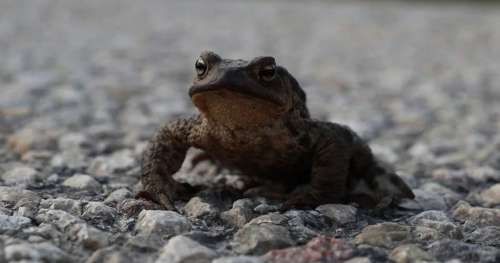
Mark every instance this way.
x=200 y=66
x=268 y=72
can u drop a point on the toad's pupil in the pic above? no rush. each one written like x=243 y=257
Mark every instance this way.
x=268 y=72
x=200 y=66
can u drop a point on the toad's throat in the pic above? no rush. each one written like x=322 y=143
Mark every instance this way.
x=235 y=110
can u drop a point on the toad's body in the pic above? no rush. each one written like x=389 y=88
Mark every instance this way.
x=253 y=117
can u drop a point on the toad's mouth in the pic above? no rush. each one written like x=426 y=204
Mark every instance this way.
x=244 y=91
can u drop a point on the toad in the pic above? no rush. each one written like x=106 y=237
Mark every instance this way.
x=253 y=118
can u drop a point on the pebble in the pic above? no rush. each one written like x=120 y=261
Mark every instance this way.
x=71 y=206
x=115 y=163
x=181 y=249
x=386 y=235
x=82 y=182
x=99 y=213
x=476 y=216
x=118 y=196
x=320 y=249
x=20 y=175
x=410 y=253
x=12 y=224
x=447 y=249
x=338 y=213
x=239 y=259
x=487 y=236
x=491 y=196
x=159 y=223
x=37 y=252
x=262 y=234
x=200 y=208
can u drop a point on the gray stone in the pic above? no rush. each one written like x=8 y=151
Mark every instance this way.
x=476 y=216
x=61 y=219
x=262 y=234
x=117 y=196
x=306 y=224
x=19 y=197
x=20 y=175
x=385 y=235
x=41 y=252
x=10 y=224
x=410 y=253
x=429 y=200
x=99 y=213
x=340 y=214
x=108 y=165
x=237 y=216
x=181 y=249
x=265 y=208
x=88 y=236
x=82 y=182
x=71 y=158
x=200 y=208
x=453 y=249
x=71 y=206
x=358 y=260
x=161 y=223
x=491 y=196
x=487 y=236
x=239 y=259
x=438 y=221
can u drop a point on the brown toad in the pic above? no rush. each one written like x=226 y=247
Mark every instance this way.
x=253 y=118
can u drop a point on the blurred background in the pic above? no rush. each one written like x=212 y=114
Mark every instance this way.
x=84 y=85
x=418 y=79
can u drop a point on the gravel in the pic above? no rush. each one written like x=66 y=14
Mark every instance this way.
x=86 y=83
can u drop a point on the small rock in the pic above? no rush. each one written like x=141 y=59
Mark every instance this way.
x=19 y=197
x=160 y=223
x=410 y=253
x=20 y=175
x=90 y=237
x=71 y=206
x=491 y=196
x=385 y=235
x=114 y=254
x=358 y=260
x=10 y=224
x=61 y=219
x=265 y=208
x=108 y=165
x=72 y=158
x=453 y=249
x=486 y=236
x=99 y=213
x=82 y=182
x=239 y=259
x=31 y=139
x=435 y=220
x=181 y=249
x=262 y=234
x=429 y=200
x=320 y=249
x=117 y=196
x=340 y=214
x=200 y=208
x=476 y=216
x=131 y=207
x=39 y=252
x=237 y=216
x=306 y=224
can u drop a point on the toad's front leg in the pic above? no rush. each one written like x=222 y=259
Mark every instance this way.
x=162 y=159
x=328 y=177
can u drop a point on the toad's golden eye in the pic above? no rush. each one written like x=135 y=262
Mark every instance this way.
x=200 y=66
x=268 y=72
